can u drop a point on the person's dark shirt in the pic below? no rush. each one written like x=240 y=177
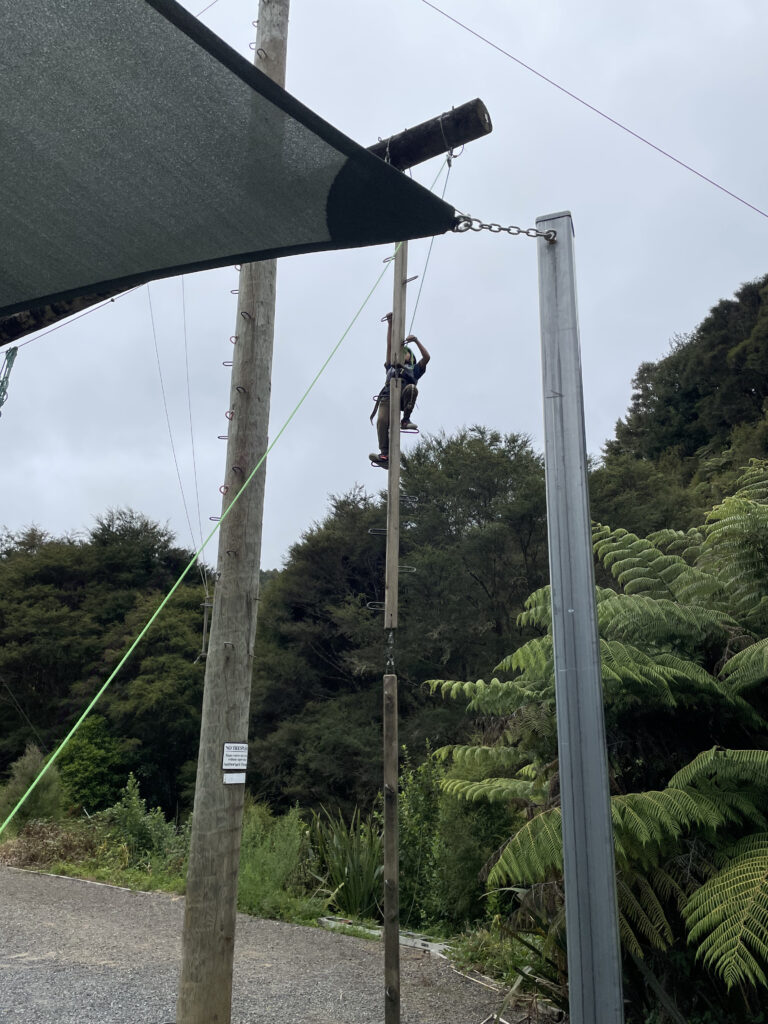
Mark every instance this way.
x=408 y=375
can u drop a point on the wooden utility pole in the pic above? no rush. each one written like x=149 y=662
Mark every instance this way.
x=390 y=711
x=471 y=121
x=205 y=987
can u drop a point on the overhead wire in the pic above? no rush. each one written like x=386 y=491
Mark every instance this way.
x=26 y=717
x=192 y=433
x=448 y=163
x=596 y=110
x=168 y=423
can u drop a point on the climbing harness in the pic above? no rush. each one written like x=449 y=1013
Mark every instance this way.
x=467 y=223
x=5 y=373
x=383 y=395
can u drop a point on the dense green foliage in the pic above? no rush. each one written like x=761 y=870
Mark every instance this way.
x=474 y=532
x=69 y=609
x=697 y=416
x=682 y=646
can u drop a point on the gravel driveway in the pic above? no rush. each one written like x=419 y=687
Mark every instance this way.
x=76 y=952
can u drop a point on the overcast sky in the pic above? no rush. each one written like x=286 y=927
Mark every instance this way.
x=84 y=427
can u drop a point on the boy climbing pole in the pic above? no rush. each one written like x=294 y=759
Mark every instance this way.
x=409 y=372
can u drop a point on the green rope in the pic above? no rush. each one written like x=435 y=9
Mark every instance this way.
x=194 y=558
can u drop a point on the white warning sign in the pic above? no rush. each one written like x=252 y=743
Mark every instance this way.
x=235 y=757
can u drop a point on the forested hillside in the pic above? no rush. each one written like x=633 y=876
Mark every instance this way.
x=69 y=609
x=473 y=533
x=474 y=537
x=696 y=417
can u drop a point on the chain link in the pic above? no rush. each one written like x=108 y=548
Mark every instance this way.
x=467 y=223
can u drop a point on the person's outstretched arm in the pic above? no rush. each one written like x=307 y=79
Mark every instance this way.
x=425 y=357
x=388 y=318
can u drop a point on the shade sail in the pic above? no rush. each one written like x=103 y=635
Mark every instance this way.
x=136 y=145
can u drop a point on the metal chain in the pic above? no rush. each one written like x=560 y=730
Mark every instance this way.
x=467 y=223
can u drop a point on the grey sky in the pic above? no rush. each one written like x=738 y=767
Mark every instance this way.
x=84 y=427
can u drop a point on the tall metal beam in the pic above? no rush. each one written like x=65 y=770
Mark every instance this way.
x=591 y=916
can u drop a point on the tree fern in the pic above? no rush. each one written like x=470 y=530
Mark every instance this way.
x=728 y=916
x=676 y=542
x=747 y=668
x=535 y=659
x=726 y=766
x=661 y=620
x=494 y=790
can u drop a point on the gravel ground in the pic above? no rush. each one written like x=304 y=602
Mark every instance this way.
x=76 y=952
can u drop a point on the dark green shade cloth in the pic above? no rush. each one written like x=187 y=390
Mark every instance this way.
x=136 y=145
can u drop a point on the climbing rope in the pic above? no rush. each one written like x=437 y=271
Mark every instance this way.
x=449 y=164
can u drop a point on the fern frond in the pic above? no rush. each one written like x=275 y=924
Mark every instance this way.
x=667 y=886
x=628 y=669
x=492 y=790
x=642 y=568
x=727 y=765
x=753 y=482
x=491 y=697
x=728 y=915
x=686 y=544
x=652 y=818
x=692 y=682
x=660 y=620
x=748 y=668
x=640 y=905
x=483 y=756
x=533 y=854
x=537 y=609
x=535 y=659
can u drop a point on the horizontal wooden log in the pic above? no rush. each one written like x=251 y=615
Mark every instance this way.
x=440 y=134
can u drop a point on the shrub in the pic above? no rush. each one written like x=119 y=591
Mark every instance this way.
x=91 y=764
x=46 y=799
x=145 y=834
x=276 y=879
x=445 y=846
x=351 y=857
